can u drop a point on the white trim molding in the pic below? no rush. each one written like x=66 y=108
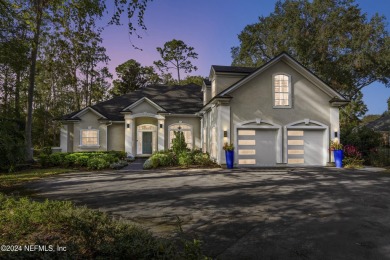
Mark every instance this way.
x=85 y=110
x=139 y=101
x=81 y=145
x=153 y=130
x=290 y=93
x=144 y=114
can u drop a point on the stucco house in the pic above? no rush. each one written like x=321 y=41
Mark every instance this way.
x=277 y=114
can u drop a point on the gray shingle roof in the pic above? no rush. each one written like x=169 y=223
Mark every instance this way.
x=233 y=69
x=174 y=99
x=381 y=124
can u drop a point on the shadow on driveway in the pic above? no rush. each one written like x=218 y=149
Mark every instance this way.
x=302 y=213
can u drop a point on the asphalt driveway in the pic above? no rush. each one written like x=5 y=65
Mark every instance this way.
x=302 y=213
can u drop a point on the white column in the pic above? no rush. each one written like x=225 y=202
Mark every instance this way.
x=223 y=123
x=129 y=136
x=201 y=135
x=161 y=134
x=64 y=138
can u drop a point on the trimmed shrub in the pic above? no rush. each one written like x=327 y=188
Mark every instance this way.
x=179 y=144
x=82 y=160
x=202 y=159
x=97 y=163
x=148 y=164
x=44 y=160
x=71 y=158
x=58 y=159
x=185 y=159
x=165 y=158
x=121 y=155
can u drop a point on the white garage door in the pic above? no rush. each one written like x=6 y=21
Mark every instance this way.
x=305 y=147
x=256 y=147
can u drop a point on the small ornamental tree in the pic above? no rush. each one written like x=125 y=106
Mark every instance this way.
x=179 y=144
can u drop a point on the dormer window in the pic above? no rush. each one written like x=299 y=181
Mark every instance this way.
x=282 y=91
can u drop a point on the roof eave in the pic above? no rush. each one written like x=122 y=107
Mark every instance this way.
x=214 y=101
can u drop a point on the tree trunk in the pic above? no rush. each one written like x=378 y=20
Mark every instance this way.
x=30 y=97
x=76 y=92
x=5 y=87
x=178 y=72
x=17 y=94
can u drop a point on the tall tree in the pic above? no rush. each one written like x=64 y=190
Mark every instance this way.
x=132 y=76
x=193 y=79
x=176 y=55
x=44 y=17
x=333 y=38
x=388 y=104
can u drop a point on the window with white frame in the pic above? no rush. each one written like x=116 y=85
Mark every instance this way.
x=181 y=127
x=282 y=90
x=89 y=137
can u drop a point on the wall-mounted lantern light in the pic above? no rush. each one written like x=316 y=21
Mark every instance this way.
x=128 y=125
x=225 y=133
x=161 y=125
x=335 y=134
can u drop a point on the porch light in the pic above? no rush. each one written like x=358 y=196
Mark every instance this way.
x=335 y=134
x=225 y=133
x=161 y=125
x=128 y=125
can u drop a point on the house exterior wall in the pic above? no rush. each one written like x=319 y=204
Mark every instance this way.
x=144 y=107
x=66 y=138
x=223 y=81
x=255 y=100
x=116 y=137
x=90 y=119
x=206 y=94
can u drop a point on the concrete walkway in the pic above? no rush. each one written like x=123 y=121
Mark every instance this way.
x=274 y=213
x=137 y=165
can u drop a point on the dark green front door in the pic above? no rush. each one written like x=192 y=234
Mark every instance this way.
x=147 y=142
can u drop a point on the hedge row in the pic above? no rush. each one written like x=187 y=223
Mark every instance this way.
x=91 y=160
x=185 y=158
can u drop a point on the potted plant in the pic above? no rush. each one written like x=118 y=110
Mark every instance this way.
x=338 y=153
x=229 y=154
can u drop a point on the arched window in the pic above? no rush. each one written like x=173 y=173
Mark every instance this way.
x=187 y=132
x=282 y=90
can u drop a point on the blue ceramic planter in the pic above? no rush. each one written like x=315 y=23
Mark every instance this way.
x=338 y=158
x=229 y=159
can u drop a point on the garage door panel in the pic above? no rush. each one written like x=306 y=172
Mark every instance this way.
x=305 y=147
x=256 y=147
x=314 y=147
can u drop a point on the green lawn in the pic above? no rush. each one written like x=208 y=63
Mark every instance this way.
x=12 y=180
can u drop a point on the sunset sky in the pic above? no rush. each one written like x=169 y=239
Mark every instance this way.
x=211 y=27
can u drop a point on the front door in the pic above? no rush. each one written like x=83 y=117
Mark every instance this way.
x=147 y=142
